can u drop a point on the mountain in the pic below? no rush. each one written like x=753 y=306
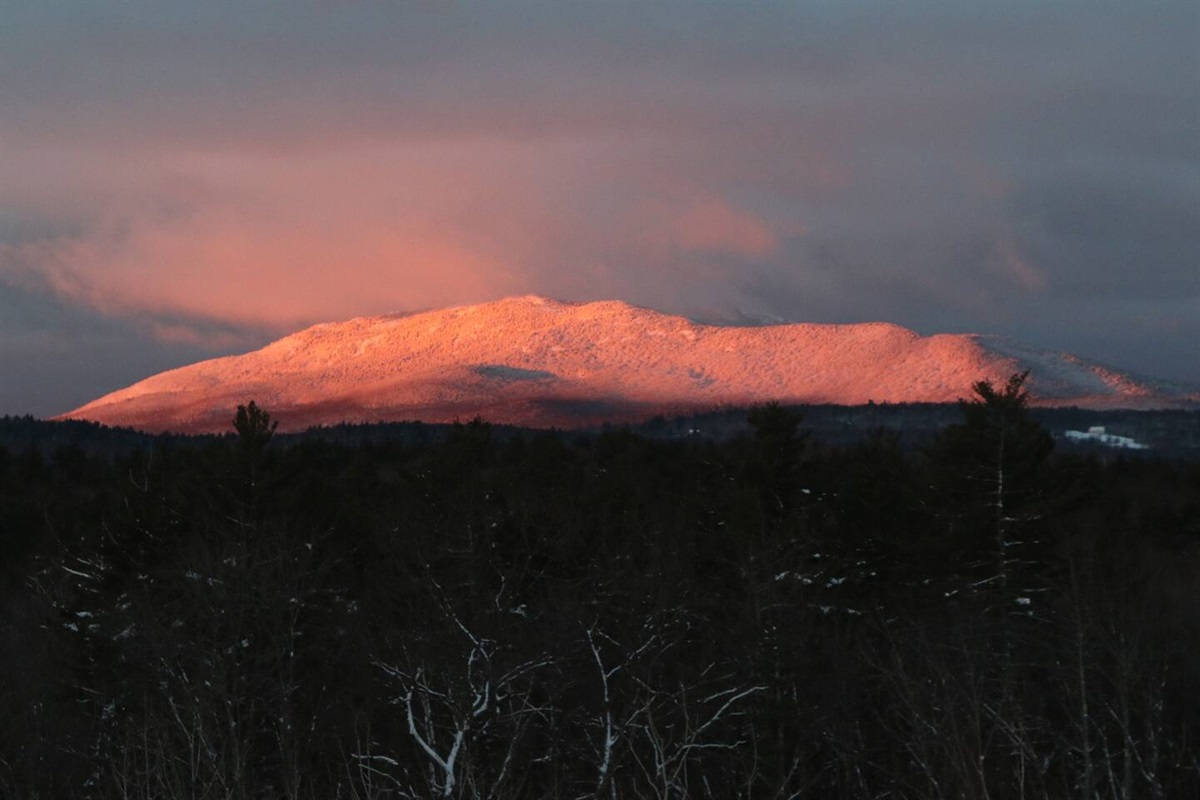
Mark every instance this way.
x=539 y=362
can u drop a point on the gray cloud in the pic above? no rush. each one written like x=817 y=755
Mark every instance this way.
x=55 y=356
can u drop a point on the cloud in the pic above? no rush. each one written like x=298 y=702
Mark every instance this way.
x=251 y=240
x=279 y=273
x=711 y=225
x=1016 y=167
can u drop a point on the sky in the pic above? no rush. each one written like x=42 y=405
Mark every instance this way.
x=180 y=180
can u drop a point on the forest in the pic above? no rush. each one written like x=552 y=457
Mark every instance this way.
x=502 y=613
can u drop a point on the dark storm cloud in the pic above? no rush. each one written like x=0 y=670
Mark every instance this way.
x=1030 y=169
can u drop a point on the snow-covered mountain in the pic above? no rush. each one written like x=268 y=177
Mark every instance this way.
x=540 y=362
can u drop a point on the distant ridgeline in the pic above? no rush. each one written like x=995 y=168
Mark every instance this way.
x=1168 y=433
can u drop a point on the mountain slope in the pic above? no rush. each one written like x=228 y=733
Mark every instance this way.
x=534 y=361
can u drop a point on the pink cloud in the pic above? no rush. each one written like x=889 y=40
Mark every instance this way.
x=277 y=273
x=708 y=224
x=253 y=241
x=248 y=239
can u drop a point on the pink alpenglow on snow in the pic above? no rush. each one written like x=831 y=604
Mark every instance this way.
x=540 y=362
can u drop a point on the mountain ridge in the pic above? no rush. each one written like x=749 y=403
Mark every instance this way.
x=536 y=361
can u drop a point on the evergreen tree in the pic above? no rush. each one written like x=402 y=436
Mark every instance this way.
x=254 y=428
x=986 y=468
x=775 y=463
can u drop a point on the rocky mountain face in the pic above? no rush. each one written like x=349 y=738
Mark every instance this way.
x=539 y=362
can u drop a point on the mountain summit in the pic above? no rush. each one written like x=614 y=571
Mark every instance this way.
x=540 y=362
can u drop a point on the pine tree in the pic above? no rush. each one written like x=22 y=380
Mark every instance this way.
x=254 y=428
x=987 y=468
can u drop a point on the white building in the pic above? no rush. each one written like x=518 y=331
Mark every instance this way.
x=1096 y=434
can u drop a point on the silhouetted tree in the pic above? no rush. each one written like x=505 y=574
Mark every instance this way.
x=778 y=446
x=254 y=427
x=987 y=467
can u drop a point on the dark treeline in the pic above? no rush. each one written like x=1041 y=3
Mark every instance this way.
x=1169 y=433
x=495 y=613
